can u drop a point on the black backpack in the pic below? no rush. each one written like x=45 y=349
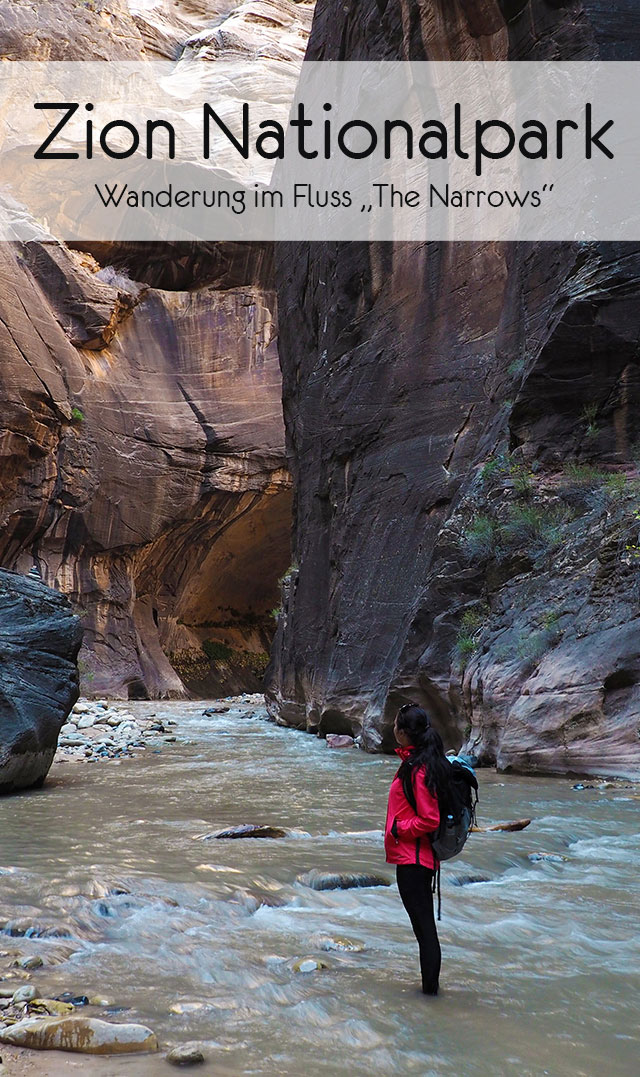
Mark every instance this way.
x=457 y=813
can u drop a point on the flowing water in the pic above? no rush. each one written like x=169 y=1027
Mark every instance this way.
x=108 y=865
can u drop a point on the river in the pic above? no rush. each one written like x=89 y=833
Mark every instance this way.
x=541 y=962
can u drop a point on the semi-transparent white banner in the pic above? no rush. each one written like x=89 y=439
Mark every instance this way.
x=340 y=151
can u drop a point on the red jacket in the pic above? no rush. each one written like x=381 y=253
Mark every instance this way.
x=406 y=833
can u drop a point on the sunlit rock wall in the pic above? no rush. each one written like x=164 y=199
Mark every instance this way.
x=142 y=462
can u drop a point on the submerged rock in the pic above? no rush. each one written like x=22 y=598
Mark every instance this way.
x=340 y=880
x=248 y=830
x=87 y=1035
x=552 y=858
x=309 y=964
x=32 y=962
x=187 y=1054
x=336 y=942
x=469 y=880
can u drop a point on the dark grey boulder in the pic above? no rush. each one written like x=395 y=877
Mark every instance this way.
x=40 y=637
x=340 y=880
x=248 y=830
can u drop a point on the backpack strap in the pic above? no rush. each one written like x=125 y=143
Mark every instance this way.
x=435 y=887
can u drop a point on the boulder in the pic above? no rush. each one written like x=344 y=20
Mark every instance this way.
x=87 y=1035
x=247 y=830
x=340 y=880
x=39 y=642
x=308 y=964
x=187 y=1054
x=339 y=740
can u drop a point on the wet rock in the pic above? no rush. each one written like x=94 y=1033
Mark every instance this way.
x=253 y=900
x=24 y=994
x=518 y=824
x=187 y=1054
x=32 y=962
x=69 y=999
x=39 y=642
x=248 y=830
x=87 y=1035
x=217 y=709
x=50 y=1006
x=344 y=880
x=552 y=858
x=469 y=880
x=309 y=964
x=337 y=740
x=338 y=943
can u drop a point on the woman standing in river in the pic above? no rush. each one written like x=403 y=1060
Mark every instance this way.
x=423 y=772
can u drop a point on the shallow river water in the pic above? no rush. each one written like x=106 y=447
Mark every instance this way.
x=541 y=963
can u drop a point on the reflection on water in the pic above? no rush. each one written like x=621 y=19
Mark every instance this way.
x=106 y=875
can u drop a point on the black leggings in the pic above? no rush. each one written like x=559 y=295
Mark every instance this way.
x=414 y=884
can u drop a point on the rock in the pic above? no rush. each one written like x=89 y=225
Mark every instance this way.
x=217 y=709
x=39 y=642
x=82 y=707
x=336 y=942
x=325 y=880
x=34 y=961
x=552 y=858
x=85 y=1034
x=309 y=964
x=469 y=880
x=187 y=1054
x=254 y=900
x=423 y=440
x=248 y=830
x=50 y=1006
x=24 y=993
x=518 y=824
x=212 y=538
x=336 y=740
x=86 y=721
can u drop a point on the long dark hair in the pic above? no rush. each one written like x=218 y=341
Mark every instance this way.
x=428 y=751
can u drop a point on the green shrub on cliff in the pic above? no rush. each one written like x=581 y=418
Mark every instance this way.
x=479 y=539
x=533 y=528
x=215 y=651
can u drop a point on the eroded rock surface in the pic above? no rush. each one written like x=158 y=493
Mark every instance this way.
x=39 y=642
x=142 y=455
x=462 y=423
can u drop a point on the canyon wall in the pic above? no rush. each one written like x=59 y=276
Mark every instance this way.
x=464 y=435
x=142 y=457
x=39 y=642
